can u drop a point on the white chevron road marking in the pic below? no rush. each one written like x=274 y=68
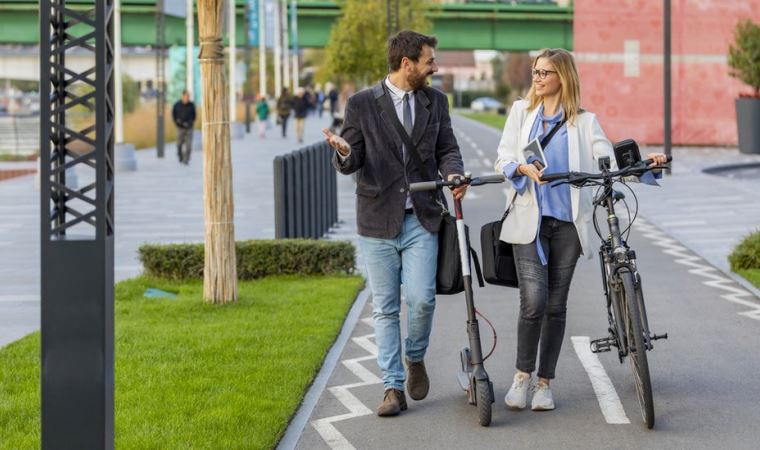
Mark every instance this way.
x=356 y=408
x=699 y=267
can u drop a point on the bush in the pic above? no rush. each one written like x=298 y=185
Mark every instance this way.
x=744 y=55
x=255 y=258
x=746 y=255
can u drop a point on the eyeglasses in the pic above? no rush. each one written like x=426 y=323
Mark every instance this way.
x=541 y=73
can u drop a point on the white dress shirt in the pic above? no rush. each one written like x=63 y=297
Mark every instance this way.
x=397 y=95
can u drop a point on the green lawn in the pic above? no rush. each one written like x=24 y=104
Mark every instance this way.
x=491 y=119
x=752 y=275
x=191 y=375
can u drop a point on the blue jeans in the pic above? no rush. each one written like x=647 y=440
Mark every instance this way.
x=410 y=258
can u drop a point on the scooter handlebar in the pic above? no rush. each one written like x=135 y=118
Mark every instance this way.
x=423 y=186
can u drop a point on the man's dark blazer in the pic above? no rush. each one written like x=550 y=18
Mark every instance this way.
x=382 y=182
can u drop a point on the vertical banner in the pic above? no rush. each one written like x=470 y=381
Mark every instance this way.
x=176 y=80
x=294 y=26
x=253 y=22
x=269 y=19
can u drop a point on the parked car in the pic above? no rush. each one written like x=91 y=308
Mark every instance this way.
x=488 y=104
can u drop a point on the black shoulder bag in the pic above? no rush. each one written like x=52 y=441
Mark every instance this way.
x=498 y=260
x=449 y=278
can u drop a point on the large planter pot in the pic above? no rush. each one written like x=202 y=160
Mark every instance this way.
x=748 y=122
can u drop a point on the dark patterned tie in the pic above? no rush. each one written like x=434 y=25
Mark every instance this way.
x=407 y=115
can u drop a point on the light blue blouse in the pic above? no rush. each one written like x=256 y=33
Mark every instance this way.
x=553 y=201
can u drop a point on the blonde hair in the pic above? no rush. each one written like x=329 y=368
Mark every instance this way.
x=570 y=92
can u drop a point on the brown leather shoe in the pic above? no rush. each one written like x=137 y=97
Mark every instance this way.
x=417 y=382
x=393 y=403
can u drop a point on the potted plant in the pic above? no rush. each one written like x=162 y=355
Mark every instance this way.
x=744 y=60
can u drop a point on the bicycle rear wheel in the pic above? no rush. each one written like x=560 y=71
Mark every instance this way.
x=637 y=350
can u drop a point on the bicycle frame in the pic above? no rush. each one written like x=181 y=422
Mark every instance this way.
x=616 y=257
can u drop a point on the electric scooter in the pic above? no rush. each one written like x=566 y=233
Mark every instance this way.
x=473 y=377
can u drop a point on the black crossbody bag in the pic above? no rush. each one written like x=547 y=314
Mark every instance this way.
x=449 y=278
x=499 y=265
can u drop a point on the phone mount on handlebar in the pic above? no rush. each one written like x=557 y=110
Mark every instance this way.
x=627 y=153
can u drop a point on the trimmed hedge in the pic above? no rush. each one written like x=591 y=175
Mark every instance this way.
x=255 y=258
x=746 y=255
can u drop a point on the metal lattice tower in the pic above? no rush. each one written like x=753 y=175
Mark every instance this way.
x=77 y=225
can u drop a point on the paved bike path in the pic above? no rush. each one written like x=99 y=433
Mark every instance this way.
x=703 y=375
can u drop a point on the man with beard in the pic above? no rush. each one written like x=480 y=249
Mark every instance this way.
x=398 y=229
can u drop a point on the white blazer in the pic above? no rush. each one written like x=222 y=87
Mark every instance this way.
x=586 y=144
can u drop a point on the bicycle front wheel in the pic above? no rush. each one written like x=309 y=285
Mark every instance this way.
x=637 y=350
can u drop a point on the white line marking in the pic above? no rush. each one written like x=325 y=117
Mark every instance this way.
x=480 y=153
x=356 y=408
x=699 y=267
x=609 y=402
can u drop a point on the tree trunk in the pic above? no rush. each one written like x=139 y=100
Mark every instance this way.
x=220 y=270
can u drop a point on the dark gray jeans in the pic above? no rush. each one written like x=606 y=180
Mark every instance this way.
x=184 y=143
x=543 y=295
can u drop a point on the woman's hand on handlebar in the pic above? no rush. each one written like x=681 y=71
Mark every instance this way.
x=658 y=159
x=531 y=171
x=459 y=191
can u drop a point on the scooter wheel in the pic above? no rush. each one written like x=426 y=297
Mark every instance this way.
x=483 y=392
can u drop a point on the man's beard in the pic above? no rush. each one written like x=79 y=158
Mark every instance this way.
x=418 y=80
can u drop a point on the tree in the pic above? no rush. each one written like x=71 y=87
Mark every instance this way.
x=519 y=66
x=500 y=79
x=356 y=50
x=220 y=266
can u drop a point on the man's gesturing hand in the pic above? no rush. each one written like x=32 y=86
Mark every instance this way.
x=336 y=142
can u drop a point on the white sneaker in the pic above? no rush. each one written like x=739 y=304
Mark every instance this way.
x=517 y=397
x=542 y=398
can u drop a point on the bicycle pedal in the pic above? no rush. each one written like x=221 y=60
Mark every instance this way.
x=655 y=337
x=601 y=345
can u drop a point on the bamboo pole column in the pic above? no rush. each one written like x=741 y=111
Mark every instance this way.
x=220 y=271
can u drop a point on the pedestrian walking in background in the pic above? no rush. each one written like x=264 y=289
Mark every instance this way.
x=262 y=114
x=183 y=115
x=300 y=111
x=548 y=226
x=284 y=106
x=333 y=97
x=398 y=229
x=320 y=101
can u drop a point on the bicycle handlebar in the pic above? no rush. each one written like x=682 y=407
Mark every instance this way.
x=582 y=177
x=460 y=181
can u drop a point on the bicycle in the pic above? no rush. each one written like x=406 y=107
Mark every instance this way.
x=473 y=378
x=626 y=311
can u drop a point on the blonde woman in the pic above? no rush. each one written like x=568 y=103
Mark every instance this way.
x=548 y=225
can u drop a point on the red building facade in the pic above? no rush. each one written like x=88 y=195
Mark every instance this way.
x=618 y=46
